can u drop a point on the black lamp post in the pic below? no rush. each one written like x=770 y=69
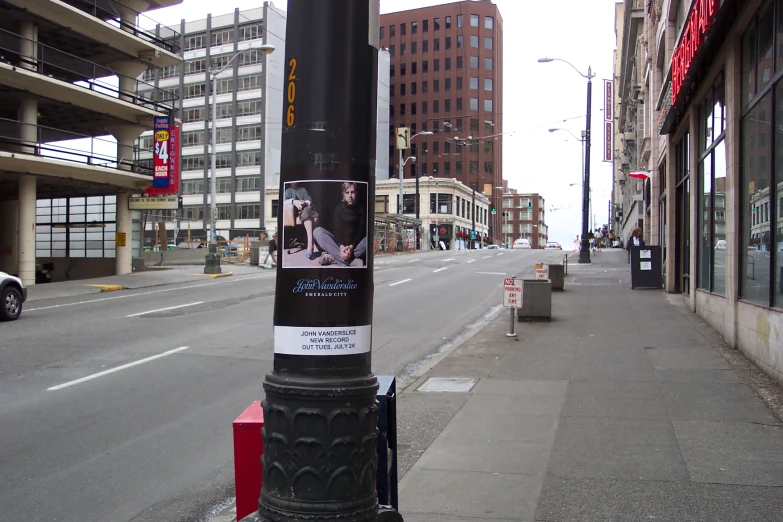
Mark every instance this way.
x=320 y=411
x=584 y=251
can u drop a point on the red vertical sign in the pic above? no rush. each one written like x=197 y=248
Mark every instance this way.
x=173 y=168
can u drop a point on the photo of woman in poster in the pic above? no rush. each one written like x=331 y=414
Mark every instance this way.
x=339 y=236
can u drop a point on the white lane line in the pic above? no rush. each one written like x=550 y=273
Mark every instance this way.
x=401 y=282
x=492 y=273
x=412 y=260
x=439 y=269
x=28 y=310
x=500 y=254
x=449 y=259
x=164 y=309
x=470 y=261
x=113 y=370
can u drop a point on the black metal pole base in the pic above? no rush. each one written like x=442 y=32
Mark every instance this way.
x=320 y=442
x=584 y=253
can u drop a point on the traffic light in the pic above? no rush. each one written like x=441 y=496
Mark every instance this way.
x=530 y=204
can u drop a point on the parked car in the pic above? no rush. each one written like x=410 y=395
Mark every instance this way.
x=493 y=247
x=521 y=243
x=12 y=294
x=553 y=245
x=720 y=245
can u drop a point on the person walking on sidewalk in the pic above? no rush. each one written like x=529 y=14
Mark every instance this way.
x=272 y=253
x=634 y=240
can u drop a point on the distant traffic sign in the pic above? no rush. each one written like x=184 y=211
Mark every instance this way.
x=542 y=271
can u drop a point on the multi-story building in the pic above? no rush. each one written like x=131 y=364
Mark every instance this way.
x=523 y=217
x=446 y=78
x=248 y=120
x=449 y=210
x=68 y=72
x=704 y=78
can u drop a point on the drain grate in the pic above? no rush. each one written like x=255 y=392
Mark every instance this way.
x=447 y=384
x=596 y=281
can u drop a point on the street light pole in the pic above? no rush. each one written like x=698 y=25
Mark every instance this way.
x=584 y=251
x=214 y=73
x=401 y=168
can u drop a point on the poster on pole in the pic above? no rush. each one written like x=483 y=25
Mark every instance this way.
x=174 y=166
x=608 y=141
x=160 y=161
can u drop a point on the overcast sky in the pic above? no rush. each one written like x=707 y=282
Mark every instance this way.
x=536 y=96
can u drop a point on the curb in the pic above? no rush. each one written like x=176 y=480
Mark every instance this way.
x=109 y=288
x=214 y=276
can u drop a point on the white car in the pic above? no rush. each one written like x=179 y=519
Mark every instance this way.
x=521 y=243
x=12 y=294
x=493 y=247
x=553 y=245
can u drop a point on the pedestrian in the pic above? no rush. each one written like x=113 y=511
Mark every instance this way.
x=634 y=240
x=271 y=253
x=611 y=238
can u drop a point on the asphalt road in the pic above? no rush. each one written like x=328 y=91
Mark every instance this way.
x=120 y=407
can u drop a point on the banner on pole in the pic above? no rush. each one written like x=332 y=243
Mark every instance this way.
x=608 y=141
x=173 y=166
x=608 y=100
x=160 y=161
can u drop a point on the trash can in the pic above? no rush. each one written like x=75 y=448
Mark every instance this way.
x=536 y=300
x=557 y=276
x=646 y=267
x=255 y=252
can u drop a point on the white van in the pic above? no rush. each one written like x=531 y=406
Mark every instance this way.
x=521 y=243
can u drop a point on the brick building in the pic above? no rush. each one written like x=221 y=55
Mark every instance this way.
x=446 y=78
x=522 y=216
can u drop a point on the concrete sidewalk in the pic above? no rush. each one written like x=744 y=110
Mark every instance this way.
x=147 y=279
x=626 y=407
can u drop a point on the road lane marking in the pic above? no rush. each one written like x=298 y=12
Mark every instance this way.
x=492 y=273
x=28 y=310
x=412 y=260
x=116 y=369
x=500 y=254
x=401 y=282
x=449 y=259
x=439 y=269
x=164 y=309
x=471 y=261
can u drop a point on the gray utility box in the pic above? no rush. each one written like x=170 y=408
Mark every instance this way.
x=557 y=276
x=536 y=300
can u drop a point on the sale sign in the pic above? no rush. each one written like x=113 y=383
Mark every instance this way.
x=160 y=161
x=173 y=150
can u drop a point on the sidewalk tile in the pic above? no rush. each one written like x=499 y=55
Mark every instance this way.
x=621 y=407
x=714 y=402
x=521 y=388
x=543 y=405
x=500 y=426
x=487 y=455
x=466 y=494
x=611 y=461
x=575 y=431
x=687 y=359
x=700 y=376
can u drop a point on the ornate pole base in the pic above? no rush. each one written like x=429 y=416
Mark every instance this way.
x=320 y=459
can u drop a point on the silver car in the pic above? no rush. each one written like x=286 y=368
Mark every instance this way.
x=12 y=294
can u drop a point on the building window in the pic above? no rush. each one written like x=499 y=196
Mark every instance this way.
x=402 y=69
x=459 y=62
x=403 y=49
x=195 y=91
x=460 y=42
x=413 y=68
x=193 y=43
x=473 y=104
x=459 y=108
x=447 y=86
x=487 y=84
x=448 y=22
x=474 y=20
x=424 y=84
x=391 y=71
x=459 y=20
x=392 y=31
x=249 y=184
x=448 y=42
x=459 y=124
x=474 y=40
x=413 y=87
x=425 y=66
x=413 y=109
x=447 y=105
x=488 y=168
x=459 y=83
x=435 y=85
x=443 y=203
x=436 y=44
x=425 y=46
x=489 y=22
x=459 y=171
x=222 y=37
x=436 y=65
x=487 y=64
x=383 y=33
x=712 y=192
x=447 y=168
x=487 y=42
x=474 y=61
x=402 y=109
x=448 y=63
x=487 y=105
x=436 y=147
x=488 y=146
x=447 y=147
x=414 y=27
x=403 y=30
x=391 y=52
x=436 y=106
x=425 y=26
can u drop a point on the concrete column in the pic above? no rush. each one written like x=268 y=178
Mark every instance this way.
x=125 y=135
x=124 y=254
x=26 y=246
x=29 y=45
x=28 y=124
x=128 y=72
x=671 y=214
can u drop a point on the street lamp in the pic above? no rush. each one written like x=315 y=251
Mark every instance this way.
x=503 y=232
x=214 y=73
x=584 y=252
x=401 y=167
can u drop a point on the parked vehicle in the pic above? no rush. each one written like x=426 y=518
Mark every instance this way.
x=553 y=245
x=12 y=294
x=493 y=247
x=720 y=245
x=521 y=243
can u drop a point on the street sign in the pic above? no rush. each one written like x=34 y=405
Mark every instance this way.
x=403 y=138
x=154 y=203
x=512 y=292
x=542 y=271
x=472 y=234
x=119 y=239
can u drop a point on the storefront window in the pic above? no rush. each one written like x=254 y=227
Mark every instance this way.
x=756 y=279
x=778 y=212
x=712 y=181
x=749 y=64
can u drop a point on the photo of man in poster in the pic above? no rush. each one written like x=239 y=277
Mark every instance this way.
x=346 y=243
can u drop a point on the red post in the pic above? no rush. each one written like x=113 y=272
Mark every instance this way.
x=248 y=448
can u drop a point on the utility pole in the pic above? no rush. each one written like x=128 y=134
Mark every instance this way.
x=473 y=216
x=320 y=411
x=584 y=252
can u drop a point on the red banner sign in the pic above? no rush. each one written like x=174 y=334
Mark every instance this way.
x=172 y=186
x=608 y=141
x=698 y=25
x=608 y=100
